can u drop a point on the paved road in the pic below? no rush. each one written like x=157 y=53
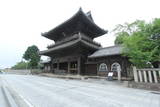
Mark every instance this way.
x=51 y=92
x=3 y=101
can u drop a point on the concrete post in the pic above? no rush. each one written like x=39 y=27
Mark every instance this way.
x=119 y=75
x=135 y=74
x=145 y=76
x=150 y=76
x=140 y=76
x=155 y=77
x=159 y=73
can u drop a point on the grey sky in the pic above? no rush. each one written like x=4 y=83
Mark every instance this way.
x=22 y=21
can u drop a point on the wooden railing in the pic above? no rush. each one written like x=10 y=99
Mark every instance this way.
x=146 y=75
x=75 y=36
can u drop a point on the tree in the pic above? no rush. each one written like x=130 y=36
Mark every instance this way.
x=120 y=38
x=31 y=55
x=141 y=42
x=21 y=65
x=123 y=31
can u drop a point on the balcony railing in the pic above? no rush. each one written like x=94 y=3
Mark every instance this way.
x=75 y=36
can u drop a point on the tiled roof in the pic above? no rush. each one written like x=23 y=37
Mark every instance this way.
x=80 y=39
x=92 y=29
x=108 y=51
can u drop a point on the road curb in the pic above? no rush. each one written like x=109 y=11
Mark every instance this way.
x=9 y=99
x=13 y=98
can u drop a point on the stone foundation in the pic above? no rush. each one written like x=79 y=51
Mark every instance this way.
x=147 y=86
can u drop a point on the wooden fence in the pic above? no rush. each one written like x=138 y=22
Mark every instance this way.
x=146 y=75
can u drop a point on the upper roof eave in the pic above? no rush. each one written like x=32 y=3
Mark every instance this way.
x=79 y=13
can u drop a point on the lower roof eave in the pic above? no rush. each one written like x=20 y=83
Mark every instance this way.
x=64 y=46
x=91 y=63
x=103 y=56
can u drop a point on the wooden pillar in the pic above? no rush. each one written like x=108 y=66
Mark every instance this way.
x=150 y=76
x=140 y=76
x=159 y=68
x=155 y=77
x=135 y=74
x=123 y=67
x=51 y=66
x=126 y=67
x=97 y=69
x=69 y=65
x=57 y=65
x=145 y=76
x=79 y=65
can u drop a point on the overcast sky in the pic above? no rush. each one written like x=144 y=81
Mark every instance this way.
x=23 y=21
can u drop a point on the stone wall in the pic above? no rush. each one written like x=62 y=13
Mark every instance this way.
x=147 y=86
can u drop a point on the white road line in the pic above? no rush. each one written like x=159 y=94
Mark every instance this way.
x=26 y=101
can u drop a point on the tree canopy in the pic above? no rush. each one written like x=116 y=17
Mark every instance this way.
x=21 y=65
x=32 y=56
x=141 y=41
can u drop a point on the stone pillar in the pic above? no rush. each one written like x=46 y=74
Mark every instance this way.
x=69 y=65
x=155 y=77
x=119 y=74
x=49 y=68
x=140 y=76
x=150 y=76
x=145 y=76
x=135 y=74
x=45 y=68
x=79 y=65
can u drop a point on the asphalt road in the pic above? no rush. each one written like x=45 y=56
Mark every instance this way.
x=52 y=92
x=3 y=101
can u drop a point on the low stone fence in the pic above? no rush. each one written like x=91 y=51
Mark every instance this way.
x=21 y=72
x=36 y=71
x=60 y=72
x=143 y=85
x=146 y=75
x=24 y=71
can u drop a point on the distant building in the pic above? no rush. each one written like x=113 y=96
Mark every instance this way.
x=75 y=52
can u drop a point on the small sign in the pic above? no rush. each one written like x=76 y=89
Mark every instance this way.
x=110 y=74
